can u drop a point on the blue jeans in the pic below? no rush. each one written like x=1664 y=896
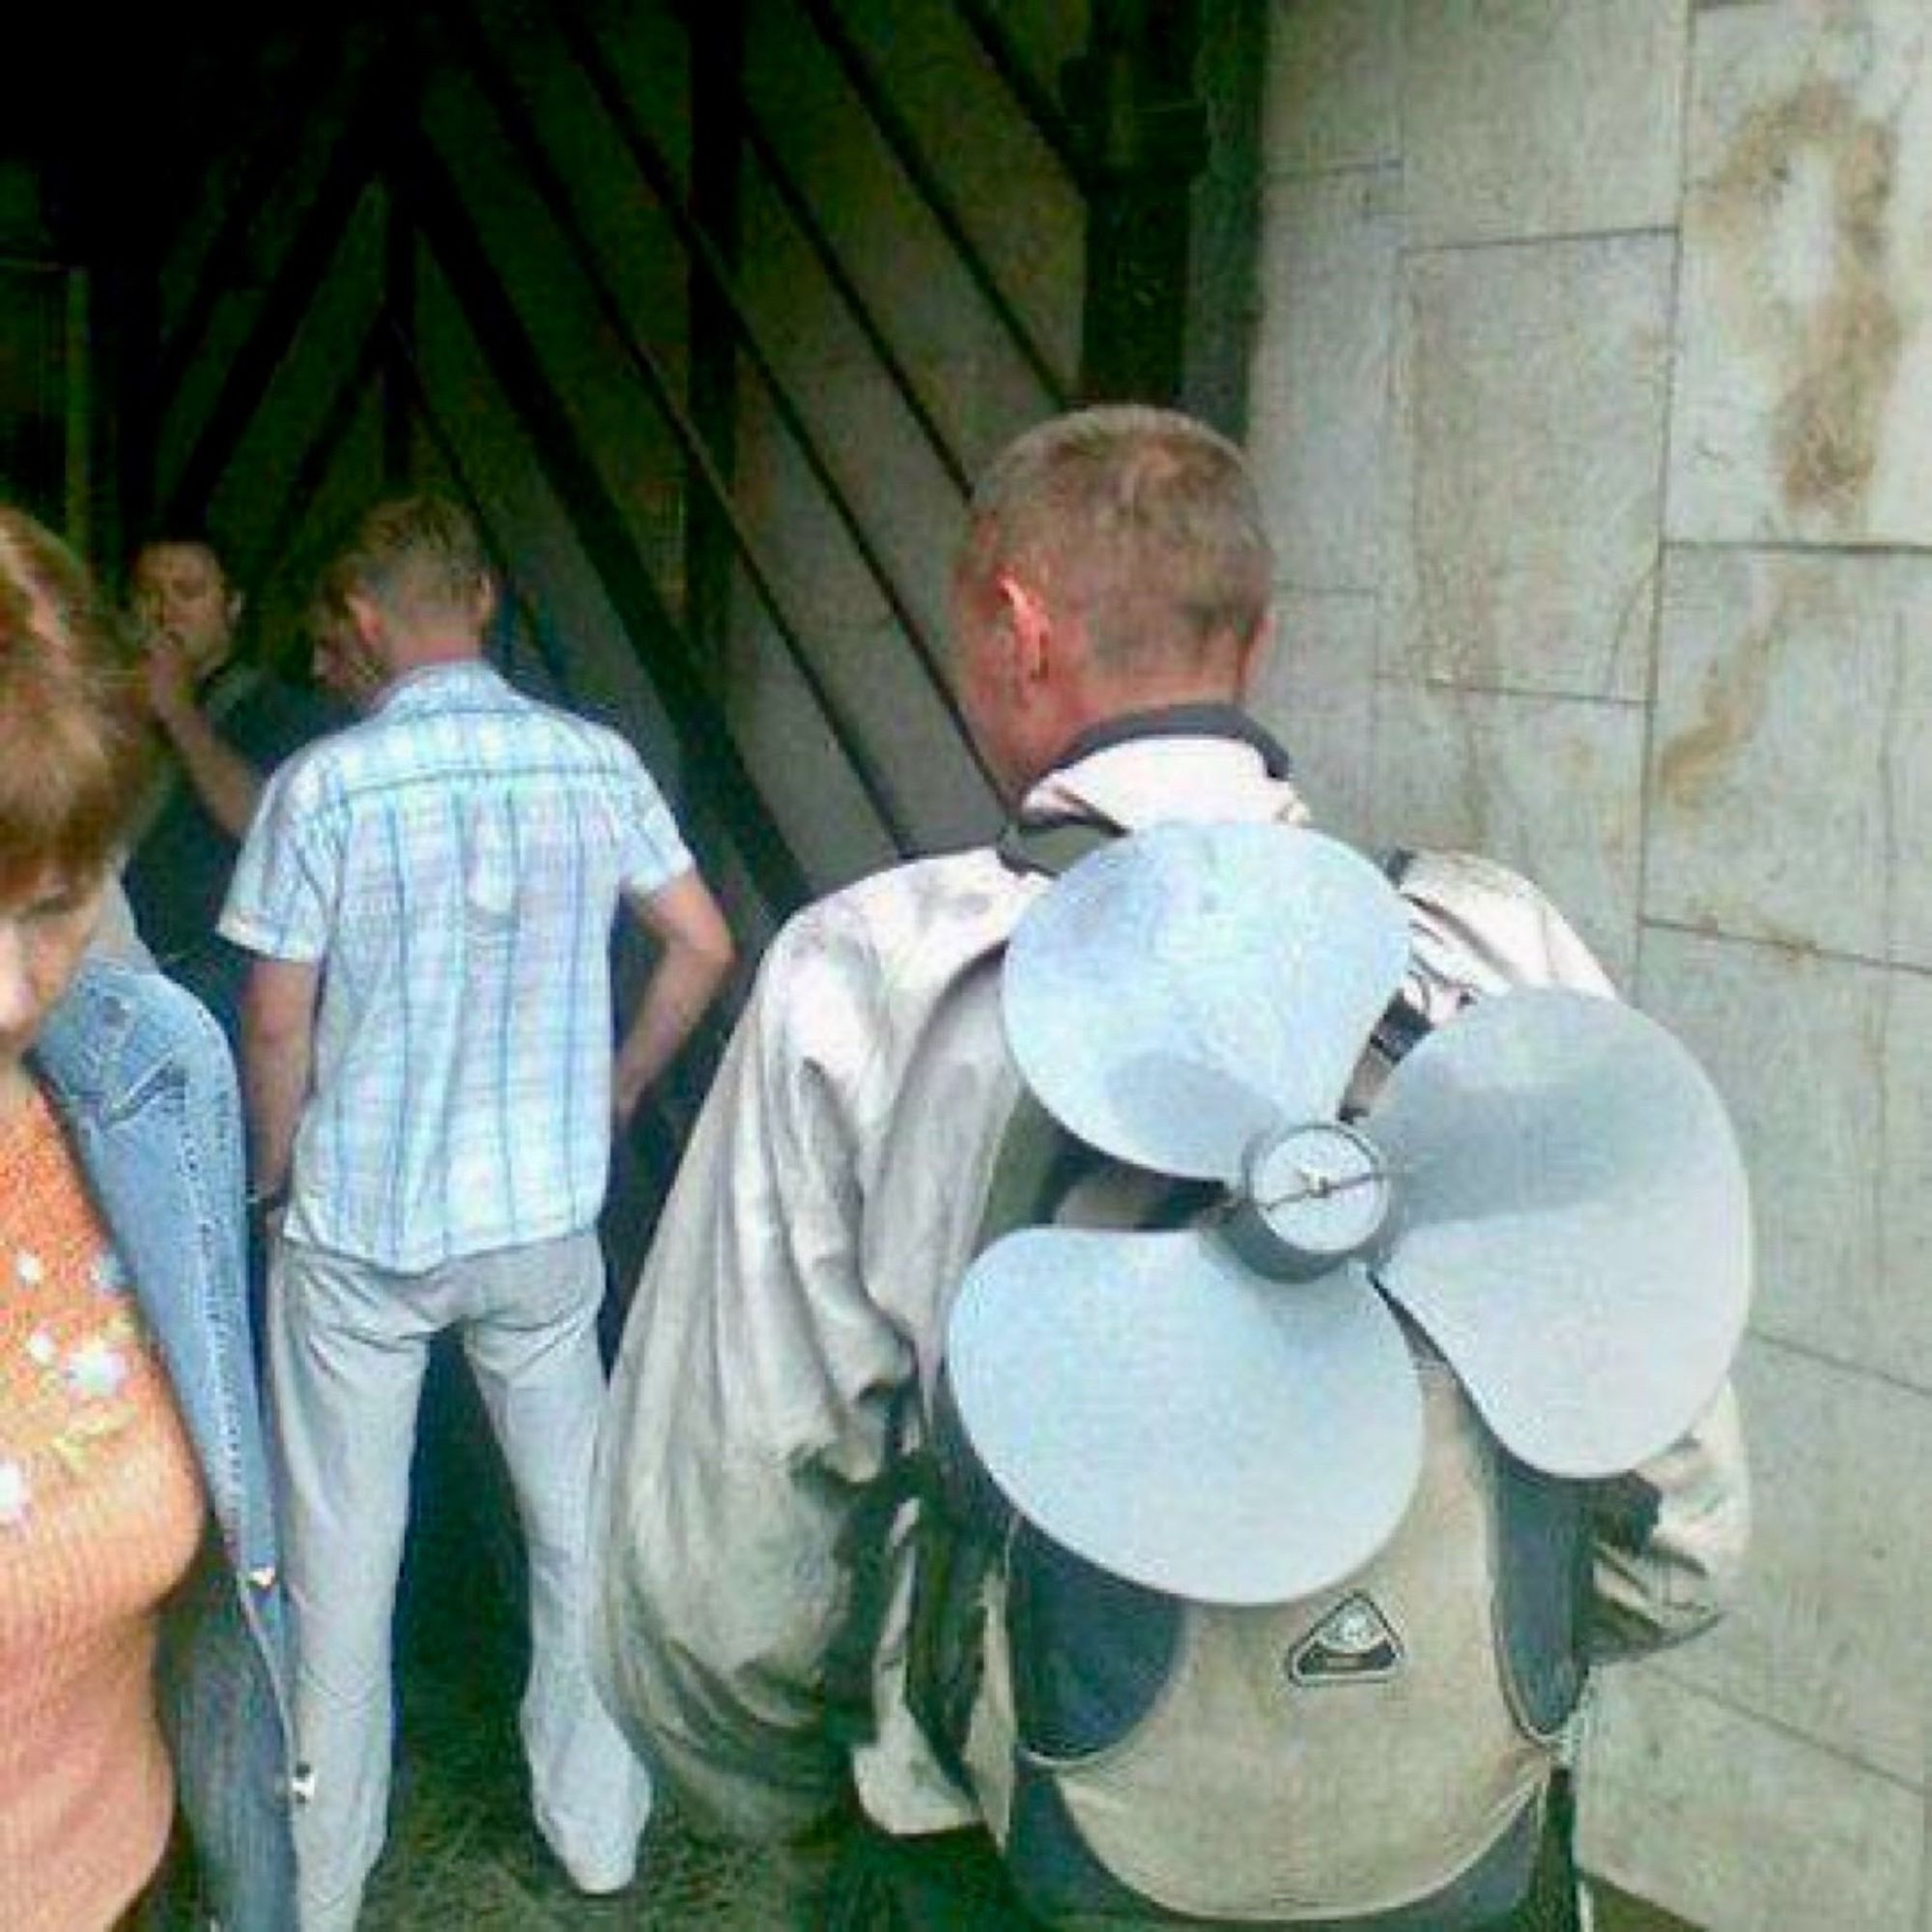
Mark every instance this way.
x=347 y=1345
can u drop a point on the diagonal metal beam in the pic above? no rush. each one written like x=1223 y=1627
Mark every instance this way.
x=716 y=770
x=712 y=387
x=273 y=155
x=661 y=180
x=549 y=190
x=315 y=245
x=831 y=265
x=900 y=137
x=318 y=459
x=1043 y=112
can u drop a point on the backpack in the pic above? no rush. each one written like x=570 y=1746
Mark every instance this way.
x=1381 y=1757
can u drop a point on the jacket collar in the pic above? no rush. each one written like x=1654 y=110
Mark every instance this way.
x=1180 y=721
x=1205 y=762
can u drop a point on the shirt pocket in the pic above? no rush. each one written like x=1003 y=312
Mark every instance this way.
x=491 y=878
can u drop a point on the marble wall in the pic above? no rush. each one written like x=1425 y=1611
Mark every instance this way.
x=1593 y=397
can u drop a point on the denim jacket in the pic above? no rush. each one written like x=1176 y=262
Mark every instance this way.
x=141 y=1078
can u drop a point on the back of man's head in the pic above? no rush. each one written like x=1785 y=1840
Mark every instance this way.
x=420 y=560
x=1140 y=524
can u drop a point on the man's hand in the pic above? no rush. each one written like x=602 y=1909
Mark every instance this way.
x=629 y=1083
x=227 y=785
x=171 y=681
x=698 y=952
x=277 y=1050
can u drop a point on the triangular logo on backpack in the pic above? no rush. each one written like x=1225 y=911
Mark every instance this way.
x=1354 y=1643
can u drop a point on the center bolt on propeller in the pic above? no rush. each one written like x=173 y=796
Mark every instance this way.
x=1309 y=1199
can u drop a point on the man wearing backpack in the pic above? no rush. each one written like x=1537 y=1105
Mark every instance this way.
x=756 y=1539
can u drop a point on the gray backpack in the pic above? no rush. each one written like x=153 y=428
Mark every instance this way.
x=1381 y=1756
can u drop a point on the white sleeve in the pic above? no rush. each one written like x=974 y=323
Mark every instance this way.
x=746 y=1410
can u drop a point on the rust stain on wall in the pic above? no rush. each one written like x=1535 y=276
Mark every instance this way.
x=1844 y=348
x=1732 y=704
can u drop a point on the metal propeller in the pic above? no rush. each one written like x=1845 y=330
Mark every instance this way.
x=1549 y=1186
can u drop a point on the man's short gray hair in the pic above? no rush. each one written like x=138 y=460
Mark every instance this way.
x=1142 y=523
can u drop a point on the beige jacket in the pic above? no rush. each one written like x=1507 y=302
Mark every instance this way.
x=825 y=1212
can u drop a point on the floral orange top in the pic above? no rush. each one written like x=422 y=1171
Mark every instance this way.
x=101 y=1515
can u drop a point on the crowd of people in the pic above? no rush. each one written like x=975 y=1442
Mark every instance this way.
x=390 y=899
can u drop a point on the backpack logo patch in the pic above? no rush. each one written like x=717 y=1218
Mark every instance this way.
x=1354 y=1643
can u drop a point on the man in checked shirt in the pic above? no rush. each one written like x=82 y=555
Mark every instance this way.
x=432 y=1088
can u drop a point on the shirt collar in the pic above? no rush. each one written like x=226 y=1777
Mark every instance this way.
x=431 y=685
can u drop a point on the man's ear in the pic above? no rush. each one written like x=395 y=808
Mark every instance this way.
x=1032 y=626
x=486 y=604
x=364 y=615
x=237 y=602
x=1255 y=653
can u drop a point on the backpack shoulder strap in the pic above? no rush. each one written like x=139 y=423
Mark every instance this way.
x=866 y=1547
x=1402 y=1024
x=923 y=1465
x=1050 y=845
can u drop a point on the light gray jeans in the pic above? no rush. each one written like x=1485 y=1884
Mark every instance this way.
x=347 y=1345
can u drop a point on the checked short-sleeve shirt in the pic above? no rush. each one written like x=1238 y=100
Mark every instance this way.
x=454 y=864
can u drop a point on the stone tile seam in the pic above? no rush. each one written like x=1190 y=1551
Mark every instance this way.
x=1736 y=1707
x=1829 y=956
x=1865 y=1371
x=1566 y=238
x=1321 y=171
x=1343 y=171
x=1526 y=694
x=1666 y=455
x=1289 y=587
x=1798 y=547
x=1647 y=793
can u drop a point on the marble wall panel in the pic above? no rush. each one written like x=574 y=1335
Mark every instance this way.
x=1793 y=724
x=1530 y=403
x=1803 y=396
x=1542 y=117
x=1316 y=691
x=1549 y=785
x=1830 y=1638
x=1320 y=387
x=1334 y=84
x=1737 y=1825
x=1830 y=1133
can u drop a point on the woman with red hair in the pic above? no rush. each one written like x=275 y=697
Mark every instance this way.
x=142 y=1707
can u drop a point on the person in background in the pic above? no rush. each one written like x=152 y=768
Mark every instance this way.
x=227 y=724
x=142 y=1673
x=431 y=896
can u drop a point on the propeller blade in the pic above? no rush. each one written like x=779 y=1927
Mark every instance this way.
x=1572 y=1224
x=1181 y=991
x=1182 y=1422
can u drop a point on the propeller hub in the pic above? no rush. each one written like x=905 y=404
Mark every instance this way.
x=1310 y=1198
